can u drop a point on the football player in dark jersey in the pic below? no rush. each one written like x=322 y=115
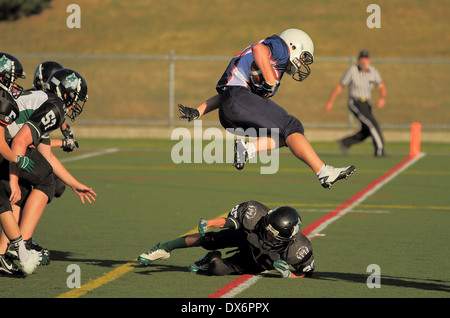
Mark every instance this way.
x=10 y=69
x=41 y=75
x=245 y=105
x=263 y=240
x=42 y=112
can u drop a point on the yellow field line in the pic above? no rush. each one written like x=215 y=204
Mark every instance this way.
x=108 y=277
x=111 y=276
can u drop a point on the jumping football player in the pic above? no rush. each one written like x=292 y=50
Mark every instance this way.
x=243 y=103
x=264 y=239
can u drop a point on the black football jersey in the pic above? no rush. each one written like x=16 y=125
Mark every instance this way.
x=43 y=112
x=298 y=253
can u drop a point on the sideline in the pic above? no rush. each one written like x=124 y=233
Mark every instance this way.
x=245 y=281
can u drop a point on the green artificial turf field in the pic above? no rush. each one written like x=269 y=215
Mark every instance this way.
x=144 y=198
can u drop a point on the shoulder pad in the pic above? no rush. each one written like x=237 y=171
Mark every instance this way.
x=9 y=111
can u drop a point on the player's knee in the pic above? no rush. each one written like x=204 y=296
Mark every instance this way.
x=218 y=268
x=48 y=187
x=60 y=187
x=292 y=126
x=207 y=241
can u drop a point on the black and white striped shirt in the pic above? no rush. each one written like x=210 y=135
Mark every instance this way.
x=360 y=83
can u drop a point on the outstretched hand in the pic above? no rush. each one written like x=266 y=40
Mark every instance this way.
x=202 y=227
x=84 y=192
x=188 y=113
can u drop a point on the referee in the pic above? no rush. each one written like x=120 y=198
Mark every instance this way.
x=360 y=80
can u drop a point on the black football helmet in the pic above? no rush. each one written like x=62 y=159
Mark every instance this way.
x=43 y=72
x=71 y=87
x=10 y=70
x=279 y=226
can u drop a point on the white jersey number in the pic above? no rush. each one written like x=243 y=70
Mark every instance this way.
x=49 y=120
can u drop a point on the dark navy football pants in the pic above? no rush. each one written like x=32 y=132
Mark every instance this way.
x=240 y=108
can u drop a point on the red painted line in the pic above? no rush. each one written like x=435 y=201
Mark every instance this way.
x=230 y=286
x=353 y=199
x=243 y=278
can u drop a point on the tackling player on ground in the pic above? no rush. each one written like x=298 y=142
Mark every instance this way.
x=263 y=239
x=243 y=103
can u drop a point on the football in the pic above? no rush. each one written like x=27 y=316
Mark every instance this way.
x=256 y=75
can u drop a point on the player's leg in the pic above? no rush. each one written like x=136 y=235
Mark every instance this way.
x=326 y=174
x=41 y=178
x=161 y=251
x=303 y=150
x=212 y=262
x=28 y=259
x=32 y=212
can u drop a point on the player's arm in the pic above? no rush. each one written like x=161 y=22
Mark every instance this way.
x=56 y=143
x=5 y=151
x=209 y=105
x=195 y=113
x=83 y=191
x=68 y=145
x=299 y=271
x=305 y=268
x=261 y=55
x=228 y=222
x=19 y=146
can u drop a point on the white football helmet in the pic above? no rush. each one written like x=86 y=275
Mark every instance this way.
x=301 y=50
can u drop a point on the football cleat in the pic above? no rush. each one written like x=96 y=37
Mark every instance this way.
x=44 y=254
x=203 y=263
x=156 y=253
x=330 y=175
x=30 y=265
x=8 y=267
x=240 y=154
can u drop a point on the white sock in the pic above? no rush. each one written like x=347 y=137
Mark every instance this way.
x=19 y=247
x=251 y=150
x=321 y=170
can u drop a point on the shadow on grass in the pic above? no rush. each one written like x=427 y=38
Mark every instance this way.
x=67 y=257
x=409 y=282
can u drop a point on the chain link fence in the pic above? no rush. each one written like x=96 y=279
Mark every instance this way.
x=144 y=90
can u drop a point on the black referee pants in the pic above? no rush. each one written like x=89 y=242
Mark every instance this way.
x=369 y=127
